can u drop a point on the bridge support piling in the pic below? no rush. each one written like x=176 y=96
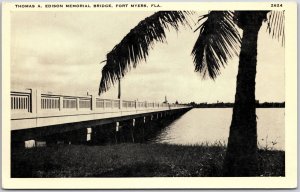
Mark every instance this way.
x=117 y=132
x=123 y=131
x=132 y=128
x=103 y=134
x=127 y=131
x=137 y=130
x=78 y=136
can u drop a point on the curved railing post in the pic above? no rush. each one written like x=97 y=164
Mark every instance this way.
x=121 y=104
x=93 y=102
x=77 y=103
x=35 y=101
x=61 y=103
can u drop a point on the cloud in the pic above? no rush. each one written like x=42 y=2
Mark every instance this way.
x=62 y=51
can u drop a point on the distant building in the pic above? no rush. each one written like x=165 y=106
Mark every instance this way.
x=166 y=101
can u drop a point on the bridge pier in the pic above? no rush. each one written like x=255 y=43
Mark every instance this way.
x=78 y=136
x=132 y=131
x=136 y=130
x=127 y=131
x=103 y=134
x=118 y=132
x=139 y=130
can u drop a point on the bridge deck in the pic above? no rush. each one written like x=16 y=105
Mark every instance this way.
x=32 y=108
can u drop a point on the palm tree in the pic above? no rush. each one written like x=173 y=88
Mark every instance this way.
x=218 y=41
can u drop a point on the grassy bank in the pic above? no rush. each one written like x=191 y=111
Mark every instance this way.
x=132 y=160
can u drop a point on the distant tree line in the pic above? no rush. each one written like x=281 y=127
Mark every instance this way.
x=230 y=105
x=271 y=105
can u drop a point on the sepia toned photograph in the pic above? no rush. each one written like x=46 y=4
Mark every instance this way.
x=142 y=90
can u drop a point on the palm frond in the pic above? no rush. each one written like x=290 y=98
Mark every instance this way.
x=135 y=46
x=276 y=21
x=218 y=40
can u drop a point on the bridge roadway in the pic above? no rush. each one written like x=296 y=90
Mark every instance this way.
x=35 y=113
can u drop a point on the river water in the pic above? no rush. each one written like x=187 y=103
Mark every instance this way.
x=210 y=125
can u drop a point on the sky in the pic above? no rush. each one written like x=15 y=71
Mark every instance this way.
x=61 y=52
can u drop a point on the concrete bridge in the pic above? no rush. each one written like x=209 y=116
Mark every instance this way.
x=36 y=115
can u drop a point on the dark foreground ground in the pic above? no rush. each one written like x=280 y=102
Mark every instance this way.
x=132 y=160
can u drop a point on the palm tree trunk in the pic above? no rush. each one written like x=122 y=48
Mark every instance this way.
x=119 y=88
x=241 y=154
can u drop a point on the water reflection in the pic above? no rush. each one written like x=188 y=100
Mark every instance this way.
x=212 y=125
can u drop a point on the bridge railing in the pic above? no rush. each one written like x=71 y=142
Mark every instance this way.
x=33 y=103
x=20 y=102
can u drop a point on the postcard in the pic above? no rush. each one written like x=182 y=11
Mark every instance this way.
x=141 y=95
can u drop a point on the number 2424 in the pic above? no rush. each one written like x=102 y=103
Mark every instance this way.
x=276 y=5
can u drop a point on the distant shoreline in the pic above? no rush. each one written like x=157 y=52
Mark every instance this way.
x=230 y=105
